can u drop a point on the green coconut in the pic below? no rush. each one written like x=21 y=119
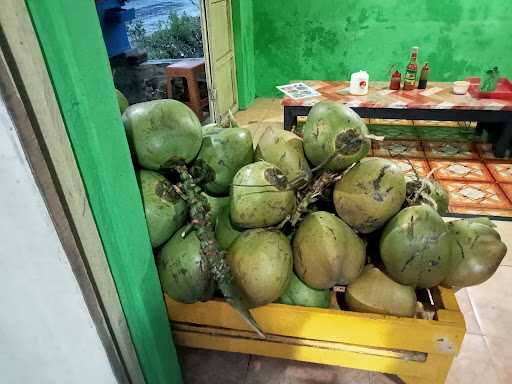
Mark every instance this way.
x=162 y=133
x=225 y=232
x=326 y=251
x=183 y=275
x=122 y=101
x=477 y=252
x=334 y=131
x=165 y=210
x=284 y=149
x=416 y=247
x=260 y=196
x=217 y=204
x=261 y=264
x=369 y=194
x=223 y=152
x=299 y=293
x=374 y=292
x=423 y=190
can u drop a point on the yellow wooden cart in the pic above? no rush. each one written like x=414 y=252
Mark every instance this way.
x=418 y=351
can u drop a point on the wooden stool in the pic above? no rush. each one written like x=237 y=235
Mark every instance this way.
x=190 y=70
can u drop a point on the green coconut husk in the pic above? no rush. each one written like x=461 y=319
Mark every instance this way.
x=122 y=101
x=162 y=133
x=374 y=292
x=165 y=210
x=369 y=194
x=183 y=274
x=217 y=204
x=416 y=247
x=327 y=252
x=225 y=231
x=334 y=131
x=477 y=252
x=261 y=264
x=223 y=152
x=300 y=294
x=260 y=196
x=285 y=150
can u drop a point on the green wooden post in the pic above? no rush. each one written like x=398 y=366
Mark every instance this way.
x=244 y=51
x=75 y=54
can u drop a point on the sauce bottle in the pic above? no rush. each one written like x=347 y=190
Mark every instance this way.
x=411 y=71
x=422 y=84
x=396 y=78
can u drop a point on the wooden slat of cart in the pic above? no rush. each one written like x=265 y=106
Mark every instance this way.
x=418 y=351
x=428 y=336
x=350 y=356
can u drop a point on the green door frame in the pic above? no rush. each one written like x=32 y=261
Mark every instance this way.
x=243 y=34
x=70 y=38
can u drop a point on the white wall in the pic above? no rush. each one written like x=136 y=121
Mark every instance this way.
x=46 y=332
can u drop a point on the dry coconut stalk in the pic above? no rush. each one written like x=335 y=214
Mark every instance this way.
x=214 y=256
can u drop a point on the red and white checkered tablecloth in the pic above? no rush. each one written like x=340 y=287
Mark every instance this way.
x=436 y=96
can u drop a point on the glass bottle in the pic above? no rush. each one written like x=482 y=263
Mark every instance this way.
x=411 y=71
x=422 y=84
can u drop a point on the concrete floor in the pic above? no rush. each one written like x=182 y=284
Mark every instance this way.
x=485 y=357
x=202 y=366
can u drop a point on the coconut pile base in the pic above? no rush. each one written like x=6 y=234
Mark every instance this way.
x=419 y=351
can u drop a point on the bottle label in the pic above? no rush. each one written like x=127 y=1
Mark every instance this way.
x=410 y=77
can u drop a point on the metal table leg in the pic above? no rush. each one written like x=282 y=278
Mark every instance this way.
x=504 y=140
x=290 y=118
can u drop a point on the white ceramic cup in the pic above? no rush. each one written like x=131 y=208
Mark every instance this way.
x=460 y=87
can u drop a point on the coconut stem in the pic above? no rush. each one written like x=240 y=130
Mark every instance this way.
x=229 y=121
x=307 y=177
x=213 y=256
x=312 y=193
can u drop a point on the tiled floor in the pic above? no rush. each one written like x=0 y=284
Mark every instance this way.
x=486 y=354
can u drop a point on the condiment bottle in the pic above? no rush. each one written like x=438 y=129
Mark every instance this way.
x=422 y=84
x=411 y=71
x=396 y=79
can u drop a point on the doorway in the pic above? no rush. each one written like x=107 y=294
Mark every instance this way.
x=179 y=49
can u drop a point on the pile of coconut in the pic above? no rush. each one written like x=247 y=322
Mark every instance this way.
x=290 y=217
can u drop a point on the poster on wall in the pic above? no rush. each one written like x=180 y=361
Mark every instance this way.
x=298 y=91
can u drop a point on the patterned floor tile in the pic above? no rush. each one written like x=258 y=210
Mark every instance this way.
x=398 y=148
x=507 y=188
x=453 y=150
x=408 y=166
x=481 y=211
x=485 y=151
x=460 y=170
x=476 y=195
x=502 y=172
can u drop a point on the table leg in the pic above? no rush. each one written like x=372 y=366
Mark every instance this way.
x=480 y=127
x=290 y=118
x=504 y=140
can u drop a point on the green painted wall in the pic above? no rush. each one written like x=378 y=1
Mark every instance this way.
x=329 y=39
x=243 y=27
x=75 y=54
